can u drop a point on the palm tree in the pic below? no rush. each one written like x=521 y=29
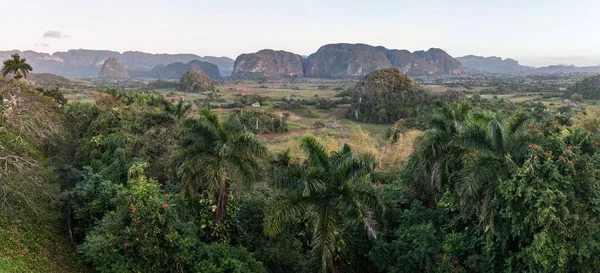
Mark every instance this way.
x=329 y=190
x=17 y=66
x=496 y=148
x=179 y=110
x=436 y=158
x=217 y=157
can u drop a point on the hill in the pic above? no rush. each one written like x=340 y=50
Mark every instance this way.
x=386 y=96
x=195 y=81
x=47 y=79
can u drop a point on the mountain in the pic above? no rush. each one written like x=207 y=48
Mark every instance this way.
x=268 y=64
x=356 y=60
x=406 y=62
x=475 y=64
x=111 y=69
x=440 y=62
x=344 y=61
x=83 y=63
x=175 y=70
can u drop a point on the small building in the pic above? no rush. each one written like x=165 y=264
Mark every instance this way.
x=256 y=104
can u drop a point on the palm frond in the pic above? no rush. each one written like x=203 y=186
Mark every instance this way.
x=516 y=122
x=496 y=135
x=288 y=178
x=475 y=176
x=284 y=212
x=317 y=156
x=324 y=237
x=474 y=137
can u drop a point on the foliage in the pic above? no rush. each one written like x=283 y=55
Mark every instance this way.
x=217 y=157
x=588 y=88
x=31 y=237
x=530 y=187
x=331 y=190
x=152 y=232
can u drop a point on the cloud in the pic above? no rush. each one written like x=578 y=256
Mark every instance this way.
x=55 y=34
x=41 y=45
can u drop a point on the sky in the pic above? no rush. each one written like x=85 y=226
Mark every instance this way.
x=535 y=32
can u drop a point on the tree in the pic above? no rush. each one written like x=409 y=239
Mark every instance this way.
x=494 y=147
x=435 y=158
x=179 y=110
x=217 y=157
x=148 y=231
x=330 y=190
x=17 y=66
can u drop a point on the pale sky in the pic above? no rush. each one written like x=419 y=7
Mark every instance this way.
x=535 y=32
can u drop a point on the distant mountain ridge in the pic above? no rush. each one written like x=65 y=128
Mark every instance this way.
x=330 y=61
x=344 y=61
x=83 y=63
x=496 y=65
x=493 y=65
x=176 y=70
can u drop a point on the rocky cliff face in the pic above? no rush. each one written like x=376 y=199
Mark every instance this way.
x=407 y=63
x=82 y=63
x=176 y=70
x=346 y=60
x=111 y=69
x=440 y=62
x=267 y=64
x=357 y=60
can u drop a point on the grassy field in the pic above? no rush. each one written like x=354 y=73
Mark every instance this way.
x=366 y=137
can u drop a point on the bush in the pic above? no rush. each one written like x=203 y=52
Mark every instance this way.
x=144 y=233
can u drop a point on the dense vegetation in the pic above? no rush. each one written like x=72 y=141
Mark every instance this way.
x=589 y=88
x=150 y=185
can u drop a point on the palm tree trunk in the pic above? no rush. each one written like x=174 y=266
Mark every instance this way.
x=222 y=200
x=333 y=267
